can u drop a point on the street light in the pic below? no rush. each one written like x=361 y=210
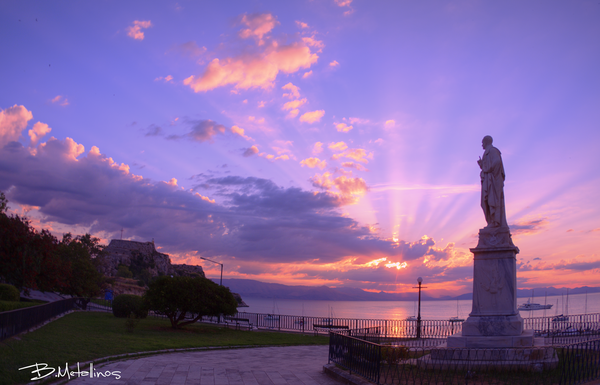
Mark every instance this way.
x=221 y=281
x=420 y=280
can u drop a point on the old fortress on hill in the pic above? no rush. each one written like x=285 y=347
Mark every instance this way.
x=122 y=252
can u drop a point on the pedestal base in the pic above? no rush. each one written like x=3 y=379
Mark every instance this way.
x=459 y=340
x=499 y=325
x=536 y=358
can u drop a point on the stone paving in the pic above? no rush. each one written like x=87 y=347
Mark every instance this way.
x=294 y=365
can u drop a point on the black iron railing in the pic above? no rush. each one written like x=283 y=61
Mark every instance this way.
x=418 y=363
x=563 y=330
x=17 y=321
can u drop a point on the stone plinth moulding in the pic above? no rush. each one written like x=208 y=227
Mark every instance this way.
x=494 y=320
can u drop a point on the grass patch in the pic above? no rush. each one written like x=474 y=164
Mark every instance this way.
x=13 y=305
x=85 y=336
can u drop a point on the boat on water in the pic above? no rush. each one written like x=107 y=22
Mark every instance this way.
x=457 y=318
x=411 y=318
x=533 y=306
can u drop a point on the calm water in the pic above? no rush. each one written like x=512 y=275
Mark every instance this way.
x=404 y=309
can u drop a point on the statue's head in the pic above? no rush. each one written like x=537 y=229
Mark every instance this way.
x=487 y=140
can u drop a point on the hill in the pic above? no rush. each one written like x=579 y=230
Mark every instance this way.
x=256 y=289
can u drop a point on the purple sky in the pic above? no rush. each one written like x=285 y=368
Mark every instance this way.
x=308 y=142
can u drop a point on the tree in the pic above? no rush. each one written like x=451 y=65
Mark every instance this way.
x=3 y=203
x=178 y=297
x=27 y=257
x=82 y=254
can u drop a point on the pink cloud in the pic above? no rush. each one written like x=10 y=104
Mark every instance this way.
x=334 y=64
x=390 y=123
x=250 y=151
x=38 y=131
x=13 y=121
x=342 y=127
x=301 y=24
x=312 y=117
x=294 y=91
x=293 y=113
x=307 y=74
x=240 y=131
x=339 y=146
x=135 y=31
x=294 y=104
x=358 y=121
x=312 y=42
x=61 y=100
x=349 y=189
x=345 y=3
x=167 y=79
x=258 y=26
x=317 y=148
x=358 y=154
x=253 y=70
x=314 y=162
x=355 y=166
x=351 y=186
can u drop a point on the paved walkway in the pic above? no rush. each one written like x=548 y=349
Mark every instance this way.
x=295 y=365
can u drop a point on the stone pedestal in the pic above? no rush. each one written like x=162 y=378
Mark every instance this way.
x=494 y=321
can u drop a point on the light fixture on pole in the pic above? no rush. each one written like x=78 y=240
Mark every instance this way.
x=420 y=280
x=221 y=281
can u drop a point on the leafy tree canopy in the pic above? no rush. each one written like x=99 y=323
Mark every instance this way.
x=31 y=259
x=185 y=300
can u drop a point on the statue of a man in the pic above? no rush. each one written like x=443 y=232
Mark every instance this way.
x=492 y=184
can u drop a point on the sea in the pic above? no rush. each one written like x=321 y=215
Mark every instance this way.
x=430 y=309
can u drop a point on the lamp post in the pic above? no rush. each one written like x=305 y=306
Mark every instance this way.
x=420 y=280
x=221 y=281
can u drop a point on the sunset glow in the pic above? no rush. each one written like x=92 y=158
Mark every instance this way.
x=309 y=142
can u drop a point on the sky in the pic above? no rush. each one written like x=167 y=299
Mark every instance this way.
x=323 y=142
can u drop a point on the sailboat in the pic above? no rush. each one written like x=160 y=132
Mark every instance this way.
x=273 y=316
x=560 y=318
x=456 y=319
x=413 y=317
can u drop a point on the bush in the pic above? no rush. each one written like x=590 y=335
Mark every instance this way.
x=125 y=304
x=9 y=293
x=124 y=272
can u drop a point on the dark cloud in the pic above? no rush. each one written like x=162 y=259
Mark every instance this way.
x=572 y=265
x=198 y=131
x=528 y=227
x=189 y=49
x=153 y=130
x=250 y=151
x=258 y=220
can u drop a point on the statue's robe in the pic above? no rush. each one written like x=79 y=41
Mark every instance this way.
x=492 y=188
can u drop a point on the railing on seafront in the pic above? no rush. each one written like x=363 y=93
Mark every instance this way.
x=566 y=329
x=388 y=363
x=404 y=328
x=13 y=322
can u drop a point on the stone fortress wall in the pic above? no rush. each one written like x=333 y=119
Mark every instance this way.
x=122 y=252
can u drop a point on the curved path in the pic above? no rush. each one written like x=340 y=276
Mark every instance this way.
x=294 y=365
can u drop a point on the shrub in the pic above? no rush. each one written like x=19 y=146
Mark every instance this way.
x=125 y=304
x=9 y=293
x=124 y=272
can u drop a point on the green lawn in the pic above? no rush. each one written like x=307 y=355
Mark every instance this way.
x=84 y=336
x=13 y=305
